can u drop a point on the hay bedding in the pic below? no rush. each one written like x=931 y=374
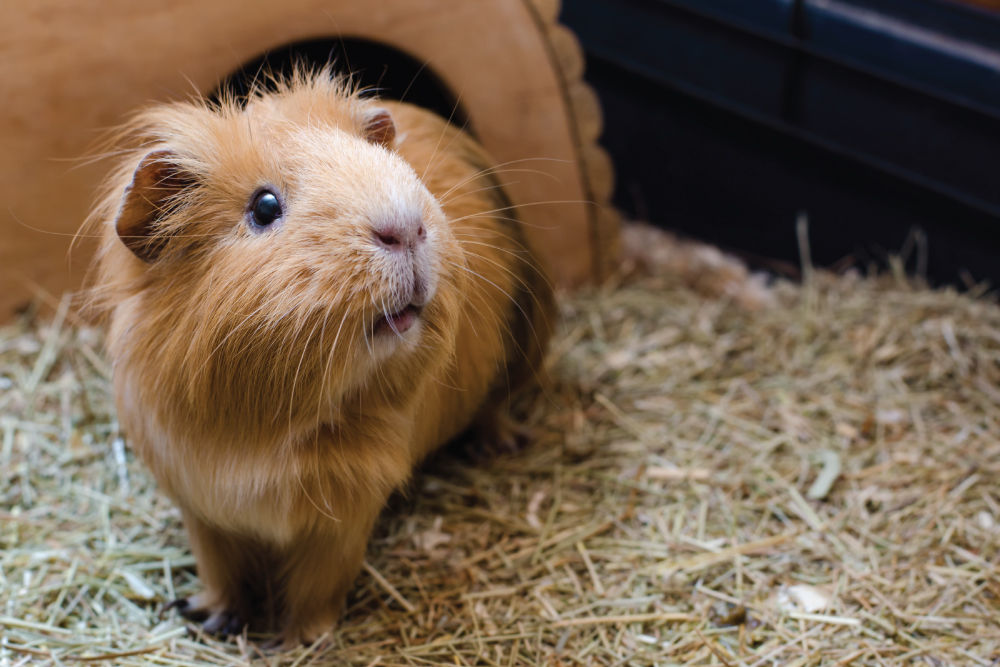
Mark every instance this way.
x=814 y=483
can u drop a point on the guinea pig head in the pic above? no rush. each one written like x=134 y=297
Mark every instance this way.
x=279 y=261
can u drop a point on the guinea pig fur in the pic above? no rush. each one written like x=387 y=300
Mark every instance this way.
x=305 y=295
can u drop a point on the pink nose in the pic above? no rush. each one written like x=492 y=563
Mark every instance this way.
x=399 y=234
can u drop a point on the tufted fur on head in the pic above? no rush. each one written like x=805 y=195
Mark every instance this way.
x=252 y=349
x=258 y=369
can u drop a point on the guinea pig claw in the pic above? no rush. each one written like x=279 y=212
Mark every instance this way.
x=188 y=610
x=235 y=625
x=213 y=622
x=273 y=644
x=223 y=622
x=180 y=604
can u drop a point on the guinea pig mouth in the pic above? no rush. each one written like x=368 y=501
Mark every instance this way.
x=399 y=322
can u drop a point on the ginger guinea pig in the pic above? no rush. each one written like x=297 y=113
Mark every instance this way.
x=306 y=295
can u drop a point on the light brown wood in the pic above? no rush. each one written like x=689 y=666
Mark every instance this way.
x=586 y=123
x=548 y=10
x=73 y=69
x=568 y=51
x=587 y=110
x=600 y=172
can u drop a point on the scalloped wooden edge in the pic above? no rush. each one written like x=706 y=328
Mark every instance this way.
x=586 y=123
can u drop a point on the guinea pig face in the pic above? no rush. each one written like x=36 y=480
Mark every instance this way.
x=367 y=229
x=303 y=254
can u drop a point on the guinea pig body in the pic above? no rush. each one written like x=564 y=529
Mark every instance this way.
x=306 y=296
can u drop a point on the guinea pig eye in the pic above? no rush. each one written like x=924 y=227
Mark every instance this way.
x=265 y=209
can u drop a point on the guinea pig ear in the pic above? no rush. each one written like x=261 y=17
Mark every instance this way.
x=379 y=128
x=145 y=201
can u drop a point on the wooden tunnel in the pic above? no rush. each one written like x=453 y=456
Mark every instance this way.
x=73 y=70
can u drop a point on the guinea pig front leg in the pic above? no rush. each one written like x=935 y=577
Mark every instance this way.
x=223 y=563
x=321 y=568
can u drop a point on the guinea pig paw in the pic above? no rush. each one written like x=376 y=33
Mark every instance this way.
x=499 y=435
x=214 y=619
x=189 y=608
x=224 y=622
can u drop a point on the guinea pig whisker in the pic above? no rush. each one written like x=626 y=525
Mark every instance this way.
x=525 y=287
x=502 y=169
x=472 y=312
x=492 y=171
x=551 y=202
x=514 y=301
x=322 y=338
x=499 y=169
x=517 y=249
x=368 y=343
x=331 y=353
x=229 y=335
x=444 y=130
x=475 y=313
x=451 y=200
x=510 y=273
x=329 y=510
x=490 y=282
x=520 y=255
x=389 y=319
x=498 y=186
x=298 y=369
x=381 y=381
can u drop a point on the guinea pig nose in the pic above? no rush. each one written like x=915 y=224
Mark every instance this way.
x=399 y=234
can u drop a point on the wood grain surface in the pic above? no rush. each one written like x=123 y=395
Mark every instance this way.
x=75 y=69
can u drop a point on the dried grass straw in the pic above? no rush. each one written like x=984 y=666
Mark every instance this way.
x=814 y=483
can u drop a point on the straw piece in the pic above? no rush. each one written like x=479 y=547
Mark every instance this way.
x=621 y=620
x=823 y=618
x=708 y=560
x=827 y=476
x=389 y=588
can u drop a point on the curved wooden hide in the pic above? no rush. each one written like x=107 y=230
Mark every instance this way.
x=75 y=69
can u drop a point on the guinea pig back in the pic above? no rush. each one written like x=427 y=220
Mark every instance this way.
x=307 y=292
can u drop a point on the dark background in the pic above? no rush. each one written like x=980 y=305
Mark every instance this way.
x=880 y=119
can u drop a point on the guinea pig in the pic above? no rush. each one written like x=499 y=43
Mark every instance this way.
x=306 y=291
